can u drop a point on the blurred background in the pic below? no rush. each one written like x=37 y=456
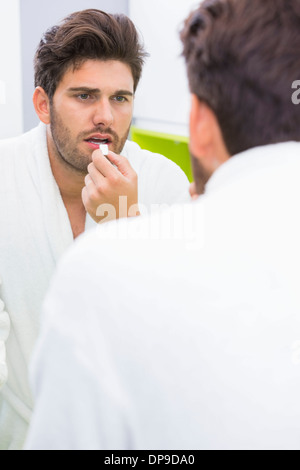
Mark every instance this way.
x=162 y=100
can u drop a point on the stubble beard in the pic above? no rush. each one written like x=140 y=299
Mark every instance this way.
x=66 y=148
x=201 y=175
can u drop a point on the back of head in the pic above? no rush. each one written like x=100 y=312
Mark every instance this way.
x=87 y=34
x=242 y=58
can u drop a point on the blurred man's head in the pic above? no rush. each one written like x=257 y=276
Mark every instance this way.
x=242 y=58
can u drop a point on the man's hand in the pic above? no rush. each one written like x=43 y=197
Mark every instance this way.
x=110 y=192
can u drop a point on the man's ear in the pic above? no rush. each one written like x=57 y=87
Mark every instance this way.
x=200 y=127
x=206 y=140
x=41 y=105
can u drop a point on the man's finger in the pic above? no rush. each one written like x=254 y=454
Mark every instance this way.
x=96 y=175
x=88 y=180
x=103 y=164
x=121 y=163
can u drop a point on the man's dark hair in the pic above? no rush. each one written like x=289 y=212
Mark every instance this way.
x=87 y=34
x=242 y=57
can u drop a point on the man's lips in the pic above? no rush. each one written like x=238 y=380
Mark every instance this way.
x=96 y=139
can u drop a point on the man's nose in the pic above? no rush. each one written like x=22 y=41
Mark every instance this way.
x=103 y=114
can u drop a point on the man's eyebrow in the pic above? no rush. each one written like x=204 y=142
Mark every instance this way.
x=123 y=92
x=84 y=89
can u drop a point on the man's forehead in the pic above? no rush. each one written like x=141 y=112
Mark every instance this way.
x=99 y=74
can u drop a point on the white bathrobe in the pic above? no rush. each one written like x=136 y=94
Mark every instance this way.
x=35 y=231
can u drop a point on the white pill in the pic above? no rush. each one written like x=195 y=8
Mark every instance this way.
x=104 y=149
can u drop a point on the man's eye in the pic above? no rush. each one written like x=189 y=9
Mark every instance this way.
x=84 y=96
x=120 y=99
